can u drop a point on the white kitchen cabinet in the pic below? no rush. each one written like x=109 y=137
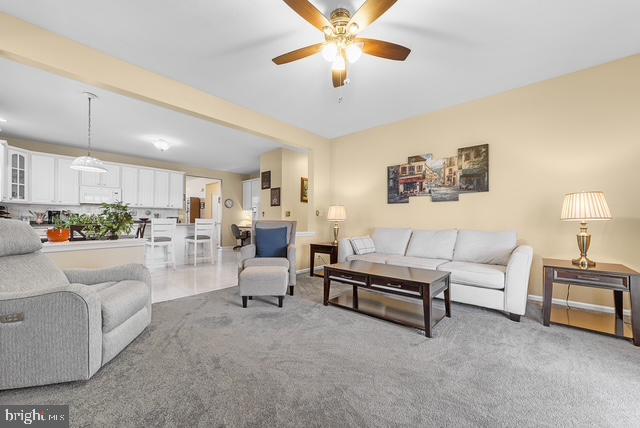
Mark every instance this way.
x=17 y=166
x=3 y=168
x=67 y=183
x=130 y=186
x=176 y=190
x=42 y=171
x=161 y=190
x=146 y=178
x=111 y=178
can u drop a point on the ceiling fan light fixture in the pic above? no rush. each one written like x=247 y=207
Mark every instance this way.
x=328 y=31
x=330 y=51
x=353 y=28
x=354 y=52
x=339 y=64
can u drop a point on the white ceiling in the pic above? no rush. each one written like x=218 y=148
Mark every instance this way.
x=45 y=107
x=461 y=50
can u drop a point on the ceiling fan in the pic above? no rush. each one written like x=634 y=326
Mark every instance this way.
x=342 y=46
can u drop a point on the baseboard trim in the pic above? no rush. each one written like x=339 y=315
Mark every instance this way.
x=579 y=305
x=306 y=270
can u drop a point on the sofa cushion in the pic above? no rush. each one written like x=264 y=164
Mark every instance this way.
x=485 y=247
x=371 y=257
x=271 y=242
x=267 y=261
x=476 y=274
x=432 y=244
x=17 y=237
x=121 y=301
x=363 y=245
x=415 y=262
x=391 y=241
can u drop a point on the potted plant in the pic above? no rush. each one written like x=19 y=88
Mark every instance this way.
x=86 y=225
x=115 y=220
x=60 y=231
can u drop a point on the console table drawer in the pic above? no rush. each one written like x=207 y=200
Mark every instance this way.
x=592 y=278
x=353 y=277
x=381 y=282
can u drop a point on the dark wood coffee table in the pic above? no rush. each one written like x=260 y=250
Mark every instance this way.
x=422 y=284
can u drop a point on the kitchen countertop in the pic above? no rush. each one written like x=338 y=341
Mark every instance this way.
x=54 y=247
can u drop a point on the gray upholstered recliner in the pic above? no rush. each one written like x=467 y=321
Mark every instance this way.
x=60 y=326
x=248 y=252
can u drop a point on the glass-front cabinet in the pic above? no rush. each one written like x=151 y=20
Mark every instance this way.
x=17 y=175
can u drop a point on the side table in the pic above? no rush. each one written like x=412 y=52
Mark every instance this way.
x=329 y=248
x=608 y=276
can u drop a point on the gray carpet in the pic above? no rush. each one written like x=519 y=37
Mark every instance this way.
x=205 y=361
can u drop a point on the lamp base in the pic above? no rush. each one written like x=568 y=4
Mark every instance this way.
x=583 y=262
x=336 y=230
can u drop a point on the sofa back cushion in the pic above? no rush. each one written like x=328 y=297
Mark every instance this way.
x=17 y=237
x=485 y=247
x=432 y=244
x=391 y=241
x=34 y=271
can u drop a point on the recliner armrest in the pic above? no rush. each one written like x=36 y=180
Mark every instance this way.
x=516 y=287
x=133 y=271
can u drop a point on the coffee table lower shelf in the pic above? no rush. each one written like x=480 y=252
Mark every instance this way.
x=407 y=312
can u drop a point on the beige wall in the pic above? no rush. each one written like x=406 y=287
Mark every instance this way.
x=231 y=183
x=573 y=133
x=271 y=161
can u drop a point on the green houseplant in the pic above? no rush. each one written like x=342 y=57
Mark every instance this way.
x=88 y=224
x=115 y=220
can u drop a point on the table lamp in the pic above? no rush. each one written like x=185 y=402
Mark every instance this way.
x=336 y=214
x=583 y=207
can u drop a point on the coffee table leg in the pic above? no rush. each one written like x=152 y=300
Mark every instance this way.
x=327 y=285
x=312 y=260
x=547 y=296
x=355 y=297
x=447 y=299
x=426 y=305
x=635 y=309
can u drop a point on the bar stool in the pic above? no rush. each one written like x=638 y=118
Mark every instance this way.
x=163 y=232
x=205 y=232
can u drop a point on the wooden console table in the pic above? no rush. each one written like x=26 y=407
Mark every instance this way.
x=329 y=248
x=615 y=277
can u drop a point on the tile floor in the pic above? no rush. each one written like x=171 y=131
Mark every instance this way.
x=187 y=280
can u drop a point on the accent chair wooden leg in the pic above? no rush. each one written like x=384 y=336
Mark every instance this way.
x=280 y=300
x=514 y=317
x=250 y=297
x=291 y=290
x=244 y=301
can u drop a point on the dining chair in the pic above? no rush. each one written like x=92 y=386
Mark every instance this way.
x=163 y=231
x=205 y=233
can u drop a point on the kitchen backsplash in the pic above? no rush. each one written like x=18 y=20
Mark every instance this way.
x=19 y=211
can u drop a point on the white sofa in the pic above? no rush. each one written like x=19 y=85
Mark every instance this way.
x=488 y=269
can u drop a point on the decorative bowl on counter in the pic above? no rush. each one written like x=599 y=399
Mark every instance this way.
x=58 y=235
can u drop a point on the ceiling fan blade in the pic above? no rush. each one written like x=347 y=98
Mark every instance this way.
x=309 y=13
x=370 y=11
x=298 y=54
x=384 y=49
x=338 y=77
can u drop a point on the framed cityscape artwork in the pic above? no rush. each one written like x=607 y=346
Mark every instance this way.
x=443 y=179
x=275 y=196
x=304 y=189
x=265 y=179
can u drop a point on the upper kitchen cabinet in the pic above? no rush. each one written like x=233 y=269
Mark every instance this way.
x=161 y=190
x=146 y=180
x=17 y=166
x=130 y=186
x=53 y=181
x=176 y=190
x=67 y=182
x=111 y=178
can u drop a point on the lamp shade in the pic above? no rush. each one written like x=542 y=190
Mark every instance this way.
x=337 y=213
x=585 y=206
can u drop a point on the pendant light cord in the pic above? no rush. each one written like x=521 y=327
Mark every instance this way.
x=89 y=130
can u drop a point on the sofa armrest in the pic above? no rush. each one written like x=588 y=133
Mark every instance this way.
x=291 y=256
x=516 y=287
x=344 y=250
x=246 y=252
x=59 y=338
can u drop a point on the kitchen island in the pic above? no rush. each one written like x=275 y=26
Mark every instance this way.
x=95 y=253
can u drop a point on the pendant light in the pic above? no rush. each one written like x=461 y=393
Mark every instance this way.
x=88 y=163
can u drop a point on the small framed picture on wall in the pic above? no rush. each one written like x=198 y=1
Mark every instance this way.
x=304 y=189
x=266 y=179
x=275 y=197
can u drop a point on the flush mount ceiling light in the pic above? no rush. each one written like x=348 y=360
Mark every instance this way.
x=161 y=145
x=88 y=163
x=3 y=120
x=340 y=33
